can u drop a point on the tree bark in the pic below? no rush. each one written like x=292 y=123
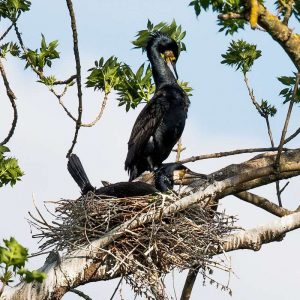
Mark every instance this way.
x=94 y=264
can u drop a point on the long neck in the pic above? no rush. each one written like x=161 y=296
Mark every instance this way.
x=161 y=72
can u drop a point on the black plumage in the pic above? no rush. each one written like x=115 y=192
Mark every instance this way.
x=118 y=190
x=164 y=179
x=161 y=122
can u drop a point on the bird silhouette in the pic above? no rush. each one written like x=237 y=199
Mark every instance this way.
x=161 y=122
x=164 y=179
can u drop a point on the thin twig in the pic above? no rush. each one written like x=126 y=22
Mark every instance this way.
x=67 y=81
x=6 y=32
x=286 y=123
x=81 y=294
x=292 y=136
x=228 y=153
x=12 y=99
x=78 y=72
x=266 y=117
x=116 y=289
x=179 y=149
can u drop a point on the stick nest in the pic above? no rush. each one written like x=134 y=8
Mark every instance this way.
x=144 y=255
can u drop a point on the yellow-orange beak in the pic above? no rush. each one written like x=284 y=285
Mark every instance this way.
x=171 y=61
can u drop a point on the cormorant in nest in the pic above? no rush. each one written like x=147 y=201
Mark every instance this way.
x=164 y=179
x=161 y=122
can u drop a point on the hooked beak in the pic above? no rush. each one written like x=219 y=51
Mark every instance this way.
x=172 y=65
x=186 y=177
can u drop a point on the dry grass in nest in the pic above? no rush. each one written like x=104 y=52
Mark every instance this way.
x=143 y=255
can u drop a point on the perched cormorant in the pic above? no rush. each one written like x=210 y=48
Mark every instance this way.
x=164 y=179
x=118 y=190
x=161 y=122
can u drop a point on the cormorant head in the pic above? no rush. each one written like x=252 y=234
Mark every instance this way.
x=174 y=173
x=167 y=47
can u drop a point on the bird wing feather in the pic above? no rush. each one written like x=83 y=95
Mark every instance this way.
x=146 y=124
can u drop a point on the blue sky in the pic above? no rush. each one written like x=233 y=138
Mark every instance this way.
x=221 y=117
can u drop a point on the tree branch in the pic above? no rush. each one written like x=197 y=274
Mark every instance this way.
x=228 y=153
x=12 y=99
x=286 y=123
x=263 y=203
x=82 y=266
x=78 y=73
x=253 y=239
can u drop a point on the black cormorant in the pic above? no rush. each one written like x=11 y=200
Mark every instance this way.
x=118 y=190
x=164 y=179
x=161 y=122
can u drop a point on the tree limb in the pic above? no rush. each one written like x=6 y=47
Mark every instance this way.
x=78 y=73
x=228 y=153
x=12 y=99
x=263 y=203
x=92 y=264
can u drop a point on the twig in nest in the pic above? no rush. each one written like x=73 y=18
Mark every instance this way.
x=143 y=255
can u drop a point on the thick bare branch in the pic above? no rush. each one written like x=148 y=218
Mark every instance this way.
x=263 y=203
x=12 y=99
x=189 y=284
x=253 y=239
x=79 y=267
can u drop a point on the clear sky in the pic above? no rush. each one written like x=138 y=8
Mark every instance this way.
x=221 y=117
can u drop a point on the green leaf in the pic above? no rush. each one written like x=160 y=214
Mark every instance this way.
x=30 y=276
x=11 y=8
x=241 y=55
x=173 y=30
x=10 y=171
x=14 y=254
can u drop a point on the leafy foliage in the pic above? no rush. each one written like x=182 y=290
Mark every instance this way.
x=241 y=55
x=229 y=26
x=132 y=87
x=12 y=261
x=105 y=75
x=268 y=109
x=173 y=30
x=43 y=56
x=10 y=171
x=287 y=93
x=48 y=80
x=11 y=8
x=135 y=87
x=11 y=48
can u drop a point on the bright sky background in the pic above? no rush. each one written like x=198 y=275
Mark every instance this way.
x=221 y=117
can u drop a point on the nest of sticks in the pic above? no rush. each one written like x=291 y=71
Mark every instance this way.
x=143 y=255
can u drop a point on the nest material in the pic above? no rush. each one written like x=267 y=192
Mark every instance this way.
x=184 y=240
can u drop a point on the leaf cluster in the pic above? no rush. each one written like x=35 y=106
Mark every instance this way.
x=105 y=76
x=135 y=87
x=223 y=7
x=282 y=6
x=132 y=87
x=241 y=55
x=10 y=171
x=12 y=261
x=11 y=8
x=267 y=109
x=11 y=48
x=43 y=56
x=287 y=93
x=172 y=30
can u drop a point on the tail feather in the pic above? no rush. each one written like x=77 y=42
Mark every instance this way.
x=76 y=170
